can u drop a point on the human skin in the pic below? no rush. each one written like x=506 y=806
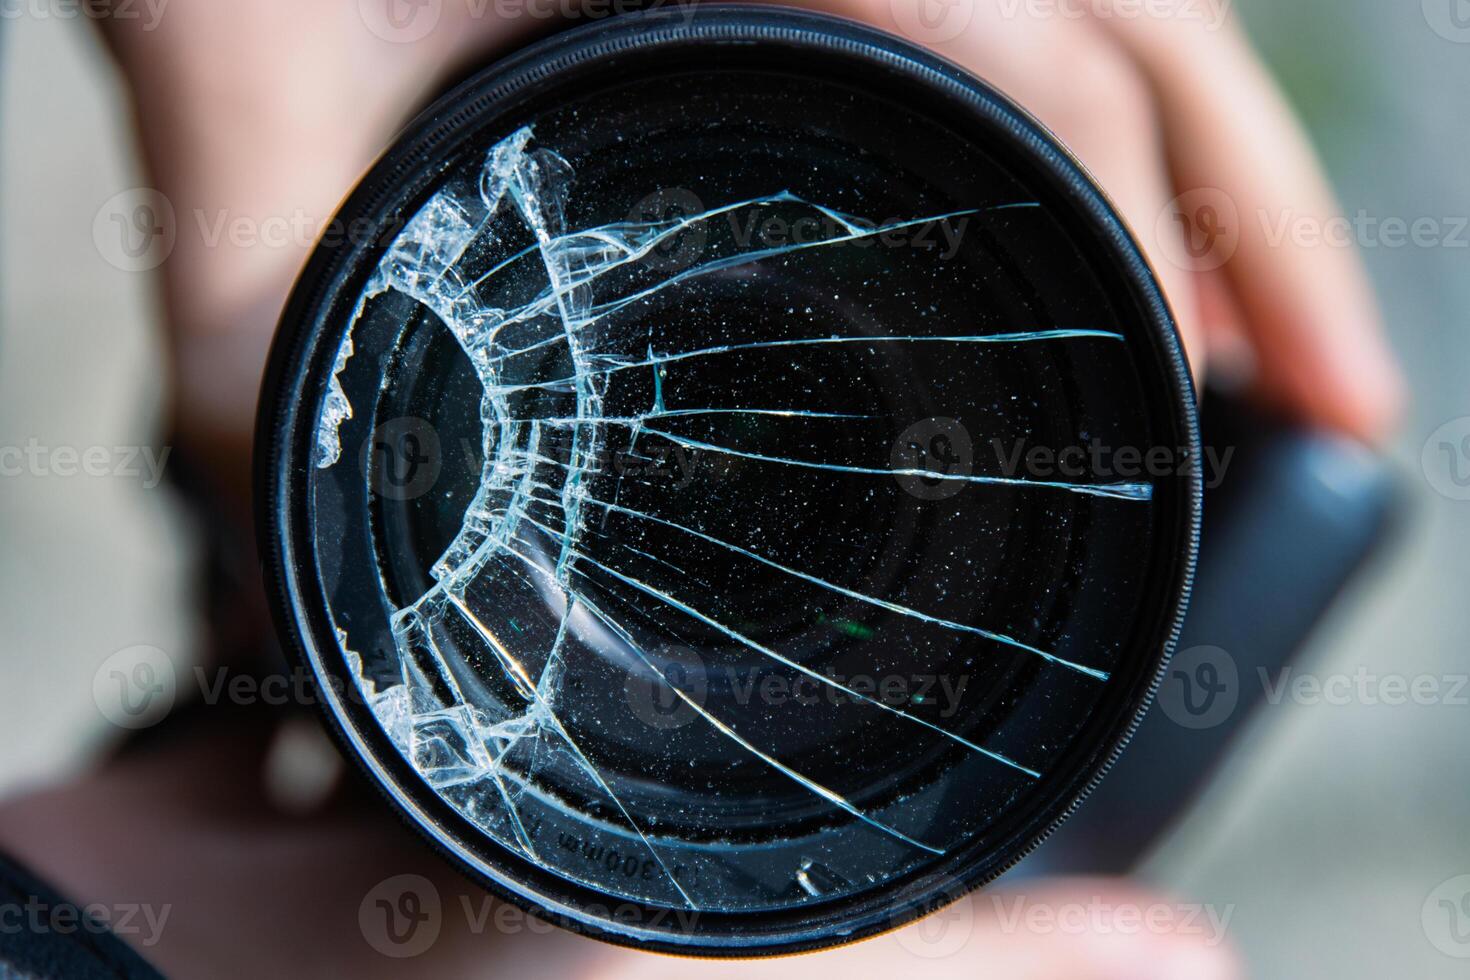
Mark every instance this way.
x=273 y=108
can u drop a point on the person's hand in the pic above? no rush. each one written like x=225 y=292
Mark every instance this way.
x=235 y=883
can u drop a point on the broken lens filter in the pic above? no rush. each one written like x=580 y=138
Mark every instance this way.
x=734 y=485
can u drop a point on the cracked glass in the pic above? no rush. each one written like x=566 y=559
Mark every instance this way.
x=681 y=500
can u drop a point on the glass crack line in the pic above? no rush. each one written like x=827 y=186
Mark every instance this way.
x=544 y=711
x=1016 y=337
x=598 y=312
x=831 y=796
x=789 y=413
x=1010 y=337
x=621 y=244
x=1115 y=491
x=765 y=651
x=860 y=596
x=523 y=178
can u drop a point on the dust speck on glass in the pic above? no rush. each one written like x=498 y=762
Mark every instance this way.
x=734 y=584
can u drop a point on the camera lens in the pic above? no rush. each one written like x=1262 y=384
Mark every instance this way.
x=731 y=479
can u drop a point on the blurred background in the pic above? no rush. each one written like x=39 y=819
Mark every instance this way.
x=1331 y=827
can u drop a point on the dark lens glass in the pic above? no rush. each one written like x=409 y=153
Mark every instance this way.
x=745 y=480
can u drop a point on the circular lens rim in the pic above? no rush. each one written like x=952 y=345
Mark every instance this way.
x=295 y=379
